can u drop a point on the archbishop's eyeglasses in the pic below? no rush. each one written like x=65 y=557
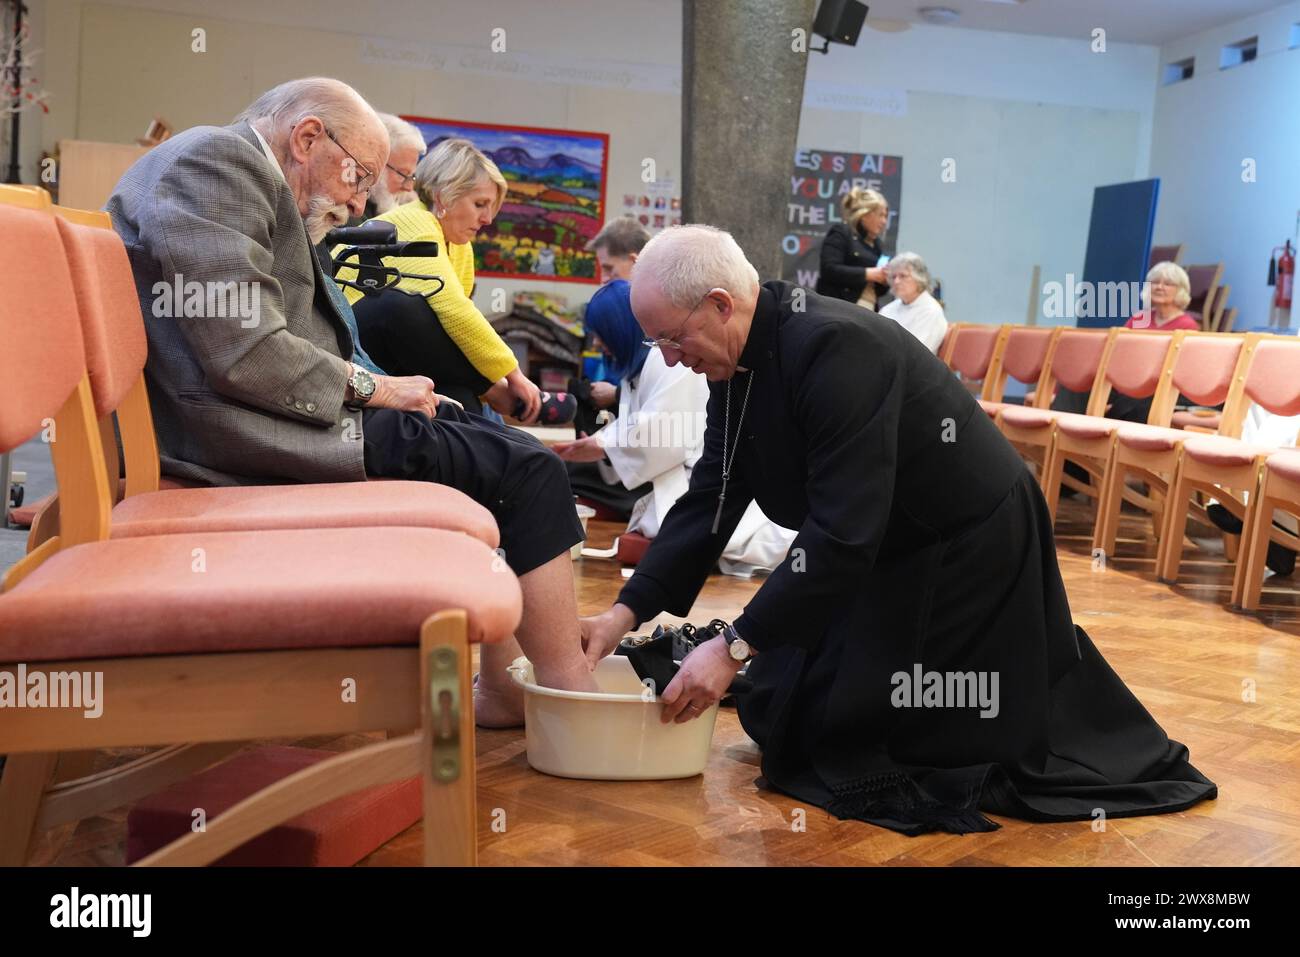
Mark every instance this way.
x=671 y=341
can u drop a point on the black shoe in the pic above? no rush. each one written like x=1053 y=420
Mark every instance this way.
x=658 y=656
x=1280 y=559
x=1221 y=517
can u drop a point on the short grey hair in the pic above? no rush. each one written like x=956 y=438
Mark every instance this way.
x=339 y=106
x=402 y=135
x=453 y=168
x=1170 y=272
x=685 y=262
x=912 y=263
x=620 y=237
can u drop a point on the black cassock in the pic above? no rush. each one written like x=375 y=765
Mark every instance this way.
x=924 y=547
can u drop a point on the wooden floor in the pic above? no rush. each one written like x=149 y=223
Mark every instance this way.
x=1182 y=652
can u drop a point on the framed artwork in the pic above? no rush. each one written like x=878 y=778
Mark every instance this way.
x=555 y=203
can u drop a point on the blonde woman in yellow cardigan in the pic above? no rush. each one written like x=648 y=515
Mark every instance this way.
x=440 y=333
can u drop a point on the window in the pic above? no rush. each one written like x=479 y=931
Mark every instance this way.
x=1178 y=71
x=1235 y=54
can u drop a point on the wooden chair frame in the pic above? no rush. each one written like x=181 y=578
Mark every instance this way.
x=213 y=703
x=1035 y=444
x=1227 y=485
x=1095 y=455
x=1273 y=491
x=1156 y=468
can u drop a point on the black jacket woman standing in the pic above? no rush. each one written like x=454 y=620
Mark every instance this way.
x=851 y=251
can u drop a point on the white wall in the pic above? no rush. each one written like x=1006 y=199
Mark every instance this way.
x=1204 y=128
x=113 y=65
x=1034 y=125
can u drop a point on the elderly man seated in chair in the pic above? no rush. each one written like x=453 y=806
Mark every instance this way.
x=281 y=394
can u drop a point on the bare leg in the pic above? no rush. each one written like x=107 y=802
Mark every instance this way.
x=548 y=635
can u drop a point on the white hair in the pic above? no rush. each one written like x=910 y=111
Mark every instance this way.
x=912 y=263
x=402 y=135
x=1171 y=273
x=342 y=109
x=685 y=262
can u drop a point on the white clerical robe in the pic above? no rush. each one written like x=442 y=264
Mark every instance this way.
x=658 y=437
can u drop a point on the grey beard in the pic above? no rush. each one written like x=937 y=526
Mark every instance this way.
x=384 y=200
x=318 y=221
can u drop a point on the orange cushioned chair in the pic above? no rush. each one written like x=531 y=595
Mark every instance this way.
x=206 y=638
x=1225 y=467
x=1024 y=358
x=1138 y=364
x=1073 y=361
x=1279 y=488
x=1205 y=370
x=115 y=353
x=973 y=350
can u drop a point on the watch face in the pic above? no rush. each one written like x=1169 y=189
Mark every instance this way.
x=739 y=649
x=363 y=383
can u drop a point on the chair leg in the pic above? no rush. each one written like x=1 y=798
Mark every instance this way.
x=25 y=778
x=1171 y=543
x=1106 y=529
x=1248 y=582
x=448 y=770
x=1053 y=466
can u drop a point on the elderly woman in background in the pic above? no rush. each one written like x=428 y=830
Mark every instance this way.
x=431 y=328
x=914 y=308
x=1165 y=296
x=850 y=262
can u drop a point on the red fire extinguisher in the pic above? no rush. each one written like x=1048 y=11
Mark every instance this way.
x=1281 y=273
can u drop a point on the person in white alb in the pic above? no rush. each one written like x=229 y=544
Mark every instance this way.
x=645 y=456
x=914 y=308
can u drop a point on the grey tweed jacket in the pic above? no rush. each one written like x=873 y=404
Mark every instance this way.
x=246 y=370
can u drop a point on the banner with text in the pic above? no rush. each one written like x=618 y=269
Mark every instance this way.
x=820 y=180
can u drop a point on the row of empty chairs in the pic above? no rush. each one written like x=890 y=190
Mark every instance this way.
x=1181 y=458
x=217 y=615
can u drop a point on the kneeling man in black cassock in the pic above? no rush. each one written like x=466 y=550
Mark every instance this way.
x=914 y=660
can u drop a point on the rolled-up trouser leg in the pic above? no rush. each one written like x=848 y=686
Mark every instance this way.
x=521 y=482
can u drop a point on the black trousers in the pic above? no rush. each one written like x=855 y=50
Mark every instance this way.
x=516 y=478
x=404 y=337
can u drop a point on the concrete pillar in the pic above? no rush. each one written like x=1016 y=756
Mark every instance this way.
x=742 y=91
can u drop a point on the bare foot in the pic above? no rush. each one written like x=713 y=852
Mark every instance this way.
x=575 y=676
x=495 y=708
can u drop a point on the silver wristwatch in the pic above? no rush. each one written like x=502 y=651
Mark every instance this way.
x=738 y=648
x=363 y=387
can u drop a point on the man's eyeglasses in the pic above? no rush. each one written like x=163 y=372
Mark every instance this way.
x=362 y=184
x=408 y=179
x=671 y=341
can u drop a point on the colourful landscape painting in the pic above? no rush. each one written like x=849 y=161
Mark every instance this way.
x=555 y=204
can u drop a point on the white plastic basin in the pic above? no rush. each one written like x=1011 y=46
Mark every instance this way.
x=611 y=735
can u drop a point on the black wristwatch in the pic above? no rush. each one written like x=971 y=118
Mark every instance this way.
x=362 y=384
x=738 y=648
